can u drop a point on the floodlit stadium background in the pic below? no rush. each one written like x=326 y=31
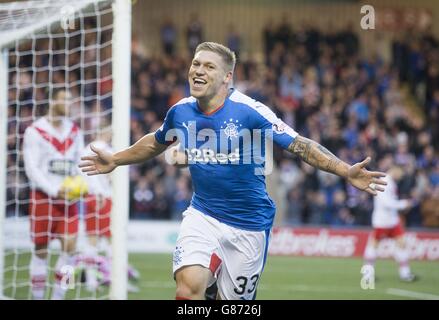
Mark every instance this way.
x=358 y=92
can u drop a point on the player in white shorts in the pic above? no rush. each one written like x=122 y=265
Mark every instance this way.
x=235 y=257
x=218 y=129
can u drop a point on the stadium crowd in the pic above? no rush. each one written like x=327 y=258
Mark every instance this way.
x=320 y=84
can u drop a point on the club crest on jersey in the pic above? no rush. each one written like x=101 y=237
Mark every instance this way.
x=231 y=128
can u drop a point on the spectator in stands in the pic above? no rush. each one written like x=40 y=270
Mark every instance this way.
x=194 y=33
x=168 y=34
x=234 y=40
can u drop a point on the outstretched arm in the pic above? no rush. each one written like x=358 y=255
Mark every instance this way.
x=318 y=156
x=104 y=162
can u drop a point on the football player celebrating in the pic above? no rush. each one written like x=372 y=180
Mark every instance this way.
x=225 y=231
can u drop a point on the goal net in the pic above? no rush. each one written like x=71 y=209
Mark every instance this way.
x=75 y=56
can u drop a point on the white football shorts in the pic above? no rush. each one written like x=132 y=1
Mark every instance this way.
x=235 y=257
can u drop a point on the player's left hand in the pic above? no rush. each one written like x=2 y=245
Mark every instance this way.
x=369 y=181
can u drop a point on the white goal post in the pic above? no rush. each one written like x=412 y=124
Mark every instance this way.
x=121 y=140
x=23 y=21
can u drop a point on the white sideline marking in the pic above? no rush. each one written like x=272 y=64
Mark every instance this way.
x=303 y=288
x=412 y=294
x=307 y=288
x=298 y=287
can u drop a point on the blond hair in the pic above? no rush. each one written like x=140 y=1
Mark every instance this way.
x=228 y=55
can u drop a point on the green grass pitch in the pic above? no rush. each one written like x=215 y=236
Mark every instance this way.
x=284 y=278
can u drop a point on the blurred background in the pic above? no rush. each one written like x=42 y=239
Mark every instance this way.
x=358 y=92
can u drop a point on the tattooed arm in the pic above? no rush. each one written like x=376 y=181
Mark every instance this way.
x=318 y=156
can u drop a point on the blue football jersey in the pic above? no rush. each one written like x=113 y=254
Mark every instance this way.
x=226 y=151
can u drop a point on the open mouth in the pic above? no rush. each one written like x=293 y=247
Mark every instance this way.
x=198 y=82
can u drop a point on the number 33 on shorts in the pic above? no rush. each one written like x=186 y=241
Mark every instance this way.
x=246 y=285
x=236 y=257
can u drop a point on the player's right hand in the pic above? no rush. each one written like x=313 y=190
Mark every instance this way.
x=100 y=163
